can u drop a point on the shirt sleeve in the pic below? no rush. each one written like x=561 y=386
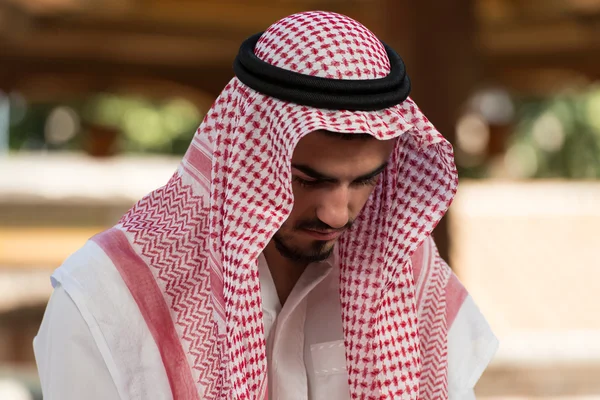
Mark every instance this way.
x=471 y=347
x=69 y=363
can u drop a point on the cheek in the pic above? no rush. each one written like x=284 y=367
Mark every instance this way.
x=302 y=201
x=359 y=198
x=301 y=209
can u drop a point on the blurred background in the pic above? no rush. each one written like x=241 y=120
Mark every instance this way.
x=99 y=100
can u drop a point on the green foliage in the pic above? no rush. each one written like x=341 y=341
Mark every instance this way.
x=556 y=137
x=563 y=135
x=145 y=126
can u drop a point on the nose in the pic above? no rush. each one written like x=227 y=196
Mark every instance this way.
x=334 y=208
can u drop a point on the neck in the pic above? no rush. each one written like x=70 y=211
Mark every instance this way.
x=285 y=272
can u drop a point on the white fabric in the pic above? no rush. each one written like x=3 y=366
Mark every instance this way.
x=80 y=353
x=114 y=326
x=472 y=347
x=69 y=362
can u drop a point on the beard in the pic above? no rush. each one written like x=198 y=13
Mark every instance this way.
x=317 y=251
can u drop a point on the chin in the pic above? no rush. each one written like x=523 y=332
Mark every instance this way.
x=314 y=251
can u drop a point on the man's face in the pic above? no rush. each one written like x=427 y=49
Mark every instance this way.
x=332 y=180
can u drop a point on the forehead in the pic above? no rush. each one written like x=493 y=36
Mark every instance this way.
x=323 y=146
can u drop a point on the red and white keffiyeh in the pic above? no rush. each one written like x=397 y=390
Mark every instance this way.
x=188 y=251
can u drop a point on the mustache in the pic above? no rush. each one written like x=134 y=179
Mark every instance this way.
x=320 y=226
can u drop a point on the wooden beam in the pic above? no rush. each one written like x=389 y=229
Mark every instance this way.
x=503 y=13
x=224 y=18
x=566 y=35
x=131 y=48
x=182 y=34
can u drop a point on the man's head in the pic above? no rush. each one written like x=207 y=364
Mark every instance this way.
x=333 y=176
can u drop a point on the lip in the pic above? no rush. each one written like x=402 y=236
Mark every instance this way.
x=323 y=235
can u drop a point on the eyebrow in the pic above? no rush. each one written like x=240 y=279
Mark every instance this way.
x=325 y=178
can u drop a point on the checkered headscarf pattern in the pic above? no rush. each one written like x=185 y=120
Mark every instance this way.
x=202 y=233
x=324 y=44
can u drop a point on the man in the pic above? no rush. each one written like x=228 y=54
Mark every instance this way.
x=290 y=255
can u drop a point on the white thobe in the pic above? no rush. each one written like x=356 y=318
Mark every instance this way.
x=305 y=349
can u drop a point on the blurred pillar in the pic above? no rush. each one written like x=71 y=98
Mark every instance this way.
x=4 y=123
x=437 y=41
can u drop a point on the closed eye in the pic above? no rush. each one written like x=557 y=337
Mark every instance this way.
x=308 y=183
x=317 y=179
x=372 y=181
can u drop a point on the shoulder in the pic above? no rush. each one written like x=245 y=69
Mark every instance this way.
x=65 y=348
x=97 y=293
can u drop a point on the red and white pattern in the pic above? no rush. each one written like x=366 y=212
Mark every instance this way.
x=433 y=322
x=202 y=233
